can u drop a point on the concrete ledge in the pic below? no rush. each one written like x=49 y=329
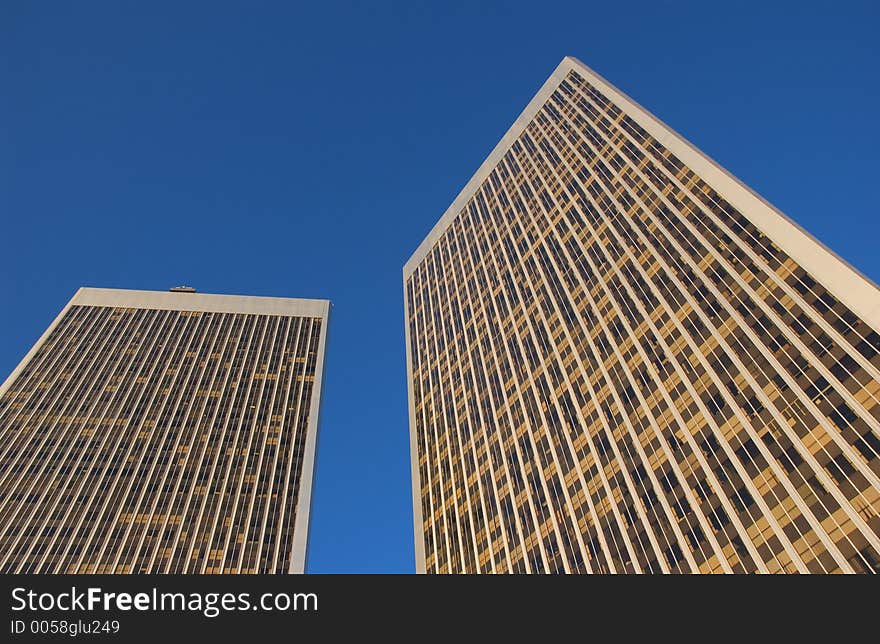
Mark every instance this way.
x=169 y=301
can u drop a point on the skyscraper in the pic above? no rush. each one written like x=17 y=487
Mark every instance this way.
x=166 y=432
x=621 y=359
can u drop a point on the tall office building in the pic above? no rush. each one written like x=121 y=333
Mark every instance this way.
x=165 y=433
x=623 y=360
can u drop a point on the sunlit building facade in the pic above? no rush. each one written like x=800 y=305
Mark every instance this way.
x=163 y=432
x=622 y=360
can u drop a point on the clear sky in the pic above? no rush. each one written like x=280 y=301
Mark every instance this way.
x=305 y=149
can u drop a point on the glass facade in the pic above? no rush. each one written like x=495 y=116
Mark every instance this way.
x=613 y=369
x=160 y=440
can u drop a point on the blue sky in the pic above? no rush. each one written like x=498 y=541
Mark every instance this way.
x=304 y=150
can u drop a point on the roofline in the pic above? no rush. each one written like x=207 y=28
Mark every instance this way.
x=206 y=302
x=848 y=284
